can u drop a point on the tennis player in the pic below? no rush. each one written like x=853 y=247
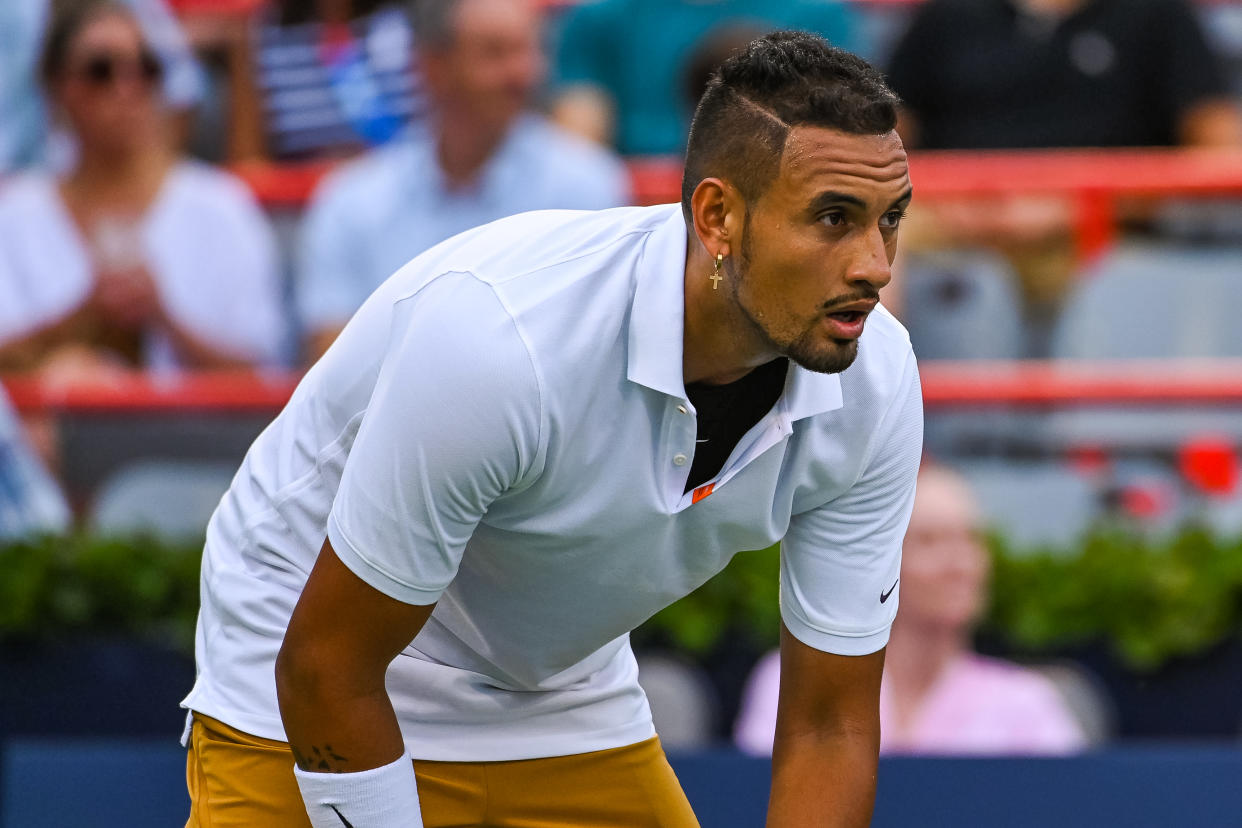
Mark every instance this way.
x=539 y=433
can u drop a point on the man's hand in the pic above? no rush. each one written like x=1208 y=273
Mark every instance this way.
x=128 y=298
x=827 y=738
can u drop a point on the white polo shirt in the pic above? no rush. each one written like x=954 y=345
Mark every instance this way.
x=503 y=429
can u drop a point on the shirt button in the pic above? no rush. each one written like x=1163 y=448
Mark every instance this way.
x=681 y=409
x=679 y=459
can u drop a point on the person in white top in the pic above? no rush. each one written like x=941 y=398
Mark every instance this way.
x=135 y=257
x=540 y=432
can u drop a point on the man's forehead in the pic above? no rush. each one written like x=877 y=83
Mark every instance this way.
x=486 y=15
x=818 y=157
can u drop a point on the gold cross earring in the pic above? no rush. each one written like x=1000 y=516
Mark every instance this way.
x=716 y=277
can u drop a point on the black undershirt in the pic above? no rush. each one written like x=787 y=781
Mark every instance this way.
x=726 y=412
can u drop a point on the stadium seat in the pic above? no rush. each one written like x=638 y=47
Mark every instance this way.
x=171 y=498
x=1085 y=696
x=962 y=305
x=683 y=701
x=1033 y=503
x=1151 y=302
x=1155 y=302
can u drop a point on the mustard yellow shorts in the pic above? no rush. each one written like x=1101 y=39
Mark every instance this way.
x=241 y=781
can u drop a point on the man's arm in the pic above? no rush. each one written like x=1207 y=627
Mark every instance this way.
x=330 y=671
x=827 y=738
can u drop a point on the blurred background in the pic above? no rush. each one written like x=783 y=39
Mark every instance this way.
x=195 y=195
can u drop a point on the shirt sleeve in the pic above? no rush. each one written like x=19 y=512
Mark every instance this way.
x=243 y=312
x=595 y=181
x=455 y=423
x=13 y=321
x=840 y=562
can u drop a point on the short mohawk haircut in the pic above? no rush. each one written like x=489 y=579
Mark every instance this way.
x=780 y=81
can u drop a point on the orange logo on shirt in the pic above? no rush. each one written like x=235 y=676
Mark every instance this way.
x=702 y=492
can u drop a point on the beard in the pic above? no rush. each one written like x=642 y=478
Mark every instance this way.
x=809 y=349
x=824 y=357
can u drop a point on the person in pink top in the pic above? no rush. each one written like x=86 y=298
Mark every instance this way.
x=938 y=696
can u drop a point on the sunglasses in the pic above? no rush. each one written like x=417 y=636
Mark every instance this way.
x=102 y=70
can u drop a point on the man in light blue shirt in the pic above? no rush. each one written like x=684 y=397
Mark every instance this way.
x=481 y=156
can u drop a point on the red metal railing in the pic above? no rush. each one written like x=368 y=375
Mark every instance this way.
x=1049 y=383
x=1096 y=181
x=1028 y=384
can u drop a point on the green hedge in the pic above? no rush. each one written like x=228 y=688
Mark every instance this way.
x=139 y=586
x=1151 y=599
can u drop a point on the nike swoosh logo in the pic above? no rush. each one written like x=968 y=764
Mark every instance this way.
x=884 y=595
x=345 y=822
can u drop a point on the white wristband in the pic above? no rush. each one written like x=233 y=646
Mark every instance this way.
x=384 y=797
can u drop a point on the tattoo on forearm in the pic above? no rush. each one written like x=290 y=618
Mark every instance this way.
x=319 y=759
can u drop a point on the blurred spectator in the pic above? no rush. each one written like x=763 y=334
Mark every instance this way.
x=319 y=78
x=1006 y=74
x=621 y=63
x=937 y=695
x=29 y=499
x=482 y=156
x=134 y=257
x=26 y=136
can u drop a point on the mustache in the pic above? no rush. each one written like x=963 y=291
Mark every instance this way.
x=861 y=296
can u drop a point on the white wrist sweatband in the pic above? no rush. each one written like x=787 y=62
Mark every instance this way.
x=384 y=797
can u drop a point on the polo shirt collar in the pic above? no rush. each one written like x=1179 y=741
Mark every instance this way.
x=657 y=313
x=657 y=317
x=808 y=393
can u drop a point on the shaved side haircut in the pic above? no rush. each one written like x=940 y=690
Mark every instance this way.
x=780 y=81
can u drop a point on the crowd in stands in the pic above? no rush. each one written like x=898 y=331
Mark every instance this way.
x=126 y=243
x=1023 y=74
x=437 y=102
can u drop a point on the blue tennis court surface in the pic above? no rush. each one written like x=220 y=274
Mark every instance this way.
x=66 y=784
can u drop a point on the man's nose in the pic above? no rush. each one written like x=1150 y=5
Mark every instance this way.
x=869 y=262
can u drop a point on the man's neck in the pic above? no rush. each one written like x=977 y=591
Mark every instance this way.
x=463 y=148
x=128 y=177
x=718 y=343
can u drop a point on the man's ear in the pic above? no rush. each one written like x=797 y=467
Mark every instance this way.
x=717 y=210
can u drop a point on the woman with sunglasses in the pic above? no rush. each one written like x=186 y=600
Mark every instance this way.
x=136 y=257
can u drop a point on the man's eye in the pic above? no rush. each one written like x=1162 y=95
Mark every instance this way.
x=833 y=219
x=893 y=217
